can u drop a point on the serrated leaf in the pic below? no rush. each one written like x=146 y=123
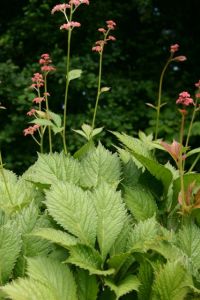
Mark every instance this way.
x=140 y=202
x=57 y=129
x=127 y=285
x=146 y=277
x=26 y=289
x=134 y=144
x=120 y=244
x=98 y=166
x=26 y=219
x=89 y=259
x=59 y=237
x=116 y=261
x=73 y=209
x=159 y=171
x=171 y=282
x=48 y=279
x=50 y=167
x=111 y=215
x=74 y=74
x=10 y=246
x=144 y=235
x=87 y=285
x=188 y=240
x=97 y=131
x=16 y=194
x=54 y=275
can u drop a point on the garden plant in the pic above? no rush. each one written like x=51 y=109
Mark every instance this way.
x=101 y=224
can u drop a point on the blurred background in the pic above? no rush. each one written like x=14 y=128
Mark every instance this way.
x=132 y=66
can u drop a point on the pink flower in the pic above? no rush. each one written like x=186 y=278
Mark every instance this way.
x=180 y=58
x=31 y=112
x=111 y=38
x=38 y=99
x=78 y=2
x=184 y=99
x=102 y=30
x=197 y=95
x=173 y=149
x=70 y=25
x=97 y=48
x=31 y=130
x=111 y=24
x=47 y=68
x=197 y=84
x=174 y=48
x=37 y=80
x=60 y=7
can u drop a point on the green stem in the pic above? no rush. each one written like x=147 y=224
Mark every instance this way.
x=191 y=123
x=159 y=96
x=98 y=88
x=181 y=166
x=194 y=163
x=67 y=85
x=4 y=179
x=47 y=111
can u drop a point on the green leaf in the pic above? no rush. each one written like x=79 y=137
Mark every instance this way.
x=146 y=278
x=53 y=274
x=140 y=202
x=59 y=237
x=188 y=240
x=87 y=285
x=50 y=167
x=127 y=285
x=89 y=146
x=97 y=131
x=111 y=215
x=56 y=118
x=159 y=171
x=89 y=259
x=194 y=151
x=100 y=165
x=27 y=289
x=171 y=282
x=48 y=279
x=10 y=246
x=144 y=235
x=42 y=122
x=74 y=74
x=120 y=244
x=16 y=194
x=74 y=210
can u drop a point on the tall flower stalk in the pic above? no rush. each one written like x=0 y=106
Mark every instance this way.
x=174 y=48
x=99 y=48
x=68 y=10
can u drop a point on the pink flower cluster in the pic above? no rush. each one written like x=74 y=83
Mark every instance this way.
x=185 y=99
x=174 y=48
x=37 y=80
x=38 y=99
x=31 y=129
x=31 y=112
x=70 y=25
x=62 y=7
x=100 y=44
x=45 y=61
